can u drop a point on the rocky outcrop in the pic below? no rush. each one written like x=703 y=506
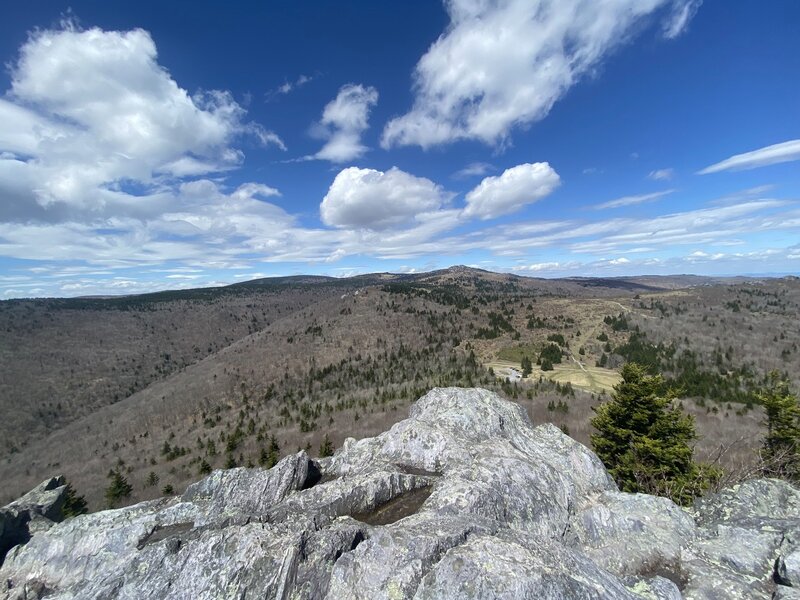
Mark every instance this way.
x=35 y=511
x=464 y=499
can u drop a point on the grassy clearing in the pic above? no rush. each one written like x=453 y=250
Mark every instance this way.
x=514 y=354
x=593 y=379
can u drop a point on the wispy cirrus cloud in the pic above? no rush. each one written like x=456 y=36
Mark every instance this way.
x=682 y=13
x=475 y=169
x=769 y=155
x=717 y=263
x=289 y=86
x=661 y=174
x=432 y=233
x=632 y=200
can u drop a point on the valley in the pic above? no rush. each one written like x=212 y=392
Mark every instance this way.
x=166 y=387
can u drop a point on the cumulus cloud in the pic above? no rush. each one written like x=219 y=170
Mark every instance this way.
x=661 y=174
x=507 y=193
x=91 y=113
x=344 y=120
x=370 y=199
x=769 y=155
x=104 y=158
x=505 y=63
x=632 y=200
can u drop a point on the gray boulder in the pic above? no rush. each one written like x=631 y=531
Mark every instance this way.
x=633 y=534
x=35 y=511
x=787 y=568
x=744 y=532
x=464 y=499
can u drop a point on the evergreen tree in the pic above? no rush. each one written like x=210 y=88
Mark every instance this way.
x=780 y=450
x=152 y=479
x=118 y=489
x=644 y=441
x=527 y=367
x=74 y=505
x=326 y=447
x=274 y=452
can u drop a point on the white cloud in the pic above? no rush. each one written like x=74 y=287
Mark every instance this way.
x=661 y=174
x=247 y=191
x=267 y=138
x=682 y=13
x=631 y=200
x=370 y=199
x=762 y=261
x=507 y=193
x=221 y=229
x=91 y=112
x=700 y=255
x=475 y=169
x=288 y=86
x=344 y=120
x=541 y=267
x=769 y=155
x=200 y=223
x=701 y=226
x=502 y=64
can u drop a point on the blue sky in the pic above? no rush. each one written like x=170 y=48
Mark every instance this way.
x=184 y=144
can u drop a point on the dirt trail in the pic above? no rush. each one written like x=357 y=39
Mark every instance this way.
x=633 y=312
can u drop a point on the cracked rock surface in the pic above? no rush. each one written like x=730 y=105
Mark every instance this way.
x=464 y=499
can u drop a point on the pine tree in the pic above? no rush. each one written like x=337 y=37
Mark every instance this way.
x=527 y=367
x=118 y=489
x=644 y=441
x=780 y=451
x=230 y=461
x=326 y=447
x=274 y=452
x=74 y=505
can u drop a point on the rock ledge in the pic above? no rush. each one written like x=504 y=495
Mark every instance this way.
x=464 y=499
